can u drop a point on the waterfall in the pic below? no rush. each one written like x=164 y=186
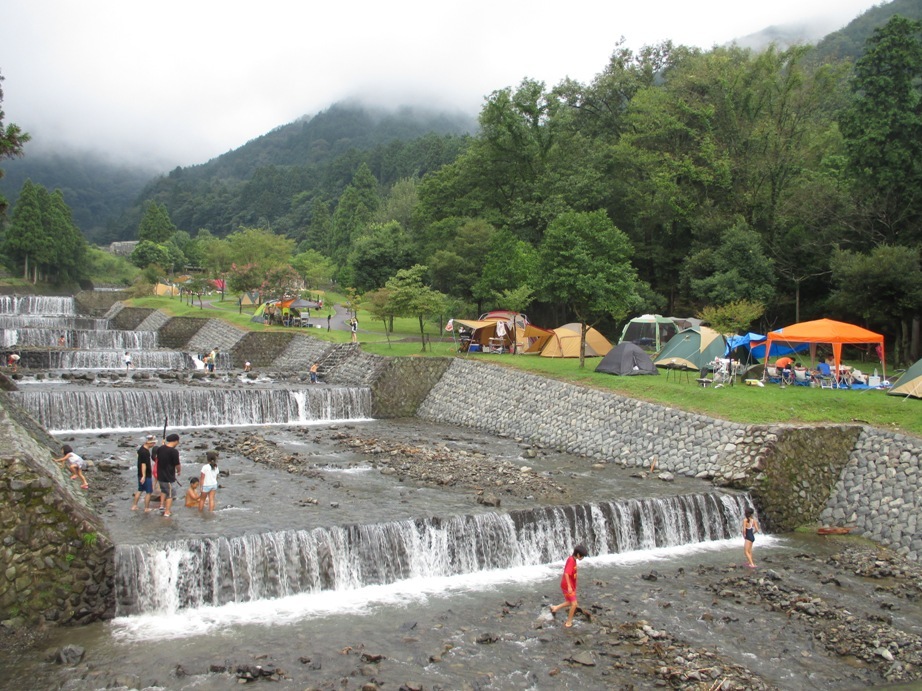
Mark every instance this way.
x=37 y=304
x=98 y=410
x=115 y=359
x=37 y=321
x=218 y=570
x=83 y=339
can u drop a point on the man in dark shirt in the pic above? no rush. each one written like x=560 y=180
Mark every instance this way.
x=168 y=470
x=145 y=478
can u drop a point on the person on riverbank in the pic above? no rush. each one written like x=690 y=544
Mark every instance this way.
x=194 y=494
x=13 y=361
x=314 y=368
x=568 y=584
x=168 y=471
x=750 y=528
x=127 y=358
x=354 y=327
x=209 y=481
x=75 y=464
x=145 y=474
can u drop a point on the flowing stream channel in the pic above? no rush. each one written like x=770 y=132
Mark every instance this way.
x=295 y=568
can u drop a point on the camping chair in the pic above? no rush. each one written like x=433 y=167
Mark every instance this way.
x=802 y=378
x=774 y=376
x=721 y=369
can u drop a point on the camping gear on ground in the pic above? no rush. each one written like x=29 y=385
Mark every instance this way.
x=692 y=349
x=566 y=339
x=627 y=360
x=649 y=331
x=835 y=333
x=909 y=383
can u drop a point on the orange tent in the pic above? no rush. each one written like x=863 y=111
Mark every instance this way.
x=827 y=331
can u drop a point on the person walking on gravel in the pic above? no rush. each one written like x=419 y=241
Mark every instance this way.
x=568 y=584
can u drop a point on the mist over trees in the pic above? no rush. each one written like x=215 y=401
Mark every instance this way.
x=676 y=180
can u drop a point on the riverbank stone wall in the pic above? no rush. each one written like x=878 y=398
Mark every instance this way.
x=840 y=475
x=878 y=494
x=57 y=559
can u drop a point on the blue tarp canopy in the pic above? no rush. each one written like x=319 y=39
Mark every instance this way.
x=756 y=345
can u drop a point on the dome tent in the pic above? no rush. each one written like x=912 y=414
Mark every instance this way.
x=650 y=331
x=566 y=339
x=627 y=360
x=692 y=349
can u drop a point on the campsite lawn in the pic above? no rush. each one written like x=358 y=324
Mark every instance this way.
x=739 y=403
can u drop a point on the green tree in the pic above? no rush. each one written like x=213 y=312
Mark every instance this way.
x=261 y=247
x=314 y=268
x=411 y=297
x=155 y=224
x=585 y=265
x=12 y=140
x=737 y=269
x=509 y=265
x=884 y=287
x=377 y=254
x=148 y=253
x=23 y=238
x=883 y=130
x=731 y=317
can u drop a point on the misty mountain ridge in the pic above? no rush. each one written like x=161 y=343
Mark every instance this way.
x=105 y=198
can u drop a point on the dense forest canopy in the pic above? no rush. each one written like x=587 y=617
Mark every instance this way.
x=787 y=180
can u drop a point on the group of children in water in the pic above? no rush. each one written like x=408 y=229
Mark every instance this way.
x=202 y=490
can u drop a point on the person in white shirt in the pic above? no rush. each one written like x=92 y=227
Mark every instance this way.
x=209 y=481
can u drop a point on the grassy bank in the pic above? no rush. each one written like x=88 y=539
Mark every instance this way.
x=743 y=404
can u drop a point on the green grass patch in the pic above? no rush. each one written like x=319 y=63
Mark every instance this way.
x=739 y=403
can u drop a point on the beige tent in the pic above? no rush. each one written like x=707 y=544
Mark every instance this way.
x=163 y=290
x=566 y=339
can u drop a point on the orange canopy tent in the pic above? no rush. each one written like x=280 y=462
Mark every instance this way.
x=827 y=331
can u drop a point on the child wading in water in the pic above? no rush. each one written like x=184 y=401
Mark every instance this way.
x=568 y=584
x=193 y=495
x=750 y=528
x=75 y=464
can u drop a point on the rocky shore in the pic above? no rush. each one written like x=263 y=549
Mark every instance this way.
x=840 y=613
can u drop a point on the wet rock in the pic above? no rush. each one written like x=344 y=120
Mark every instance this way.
x=70 y=655
x=487 y=638
x=583 y=658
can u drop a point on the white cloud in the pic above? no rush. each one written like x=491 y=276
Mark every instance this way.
x=180 y=82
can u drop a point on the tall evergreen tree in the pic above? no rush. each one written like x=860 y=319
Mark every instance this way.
x=883 y=130
x=156 y=225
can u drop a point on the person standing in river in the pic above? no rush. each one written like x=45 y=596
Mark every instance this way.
x=145 y=474
x=168 y=471
x=750 y=528
x=568 y=584
x=208 y=480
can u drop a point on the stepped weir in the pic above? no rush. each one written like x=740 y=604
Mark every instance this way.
x=328 y=523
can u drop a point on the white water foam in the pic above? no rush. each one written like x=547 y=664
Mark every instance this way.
x=361 y=601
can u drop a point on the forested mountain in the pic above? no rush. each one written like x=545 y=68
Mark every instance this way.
x=849 y=42
x=273 y=180
x=315 y=154
x=96 y=191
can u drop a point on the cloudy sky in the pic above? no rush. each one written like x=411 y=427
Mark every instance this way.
x=178 y=82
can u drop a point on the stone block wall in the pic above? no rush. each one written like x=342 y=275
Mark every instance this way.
x=129 y=318
x=878 y=491
x=98 y=302
x=177 y=332
x=57 y=559
x=261 y=348
x=837 y=474
x=403 y=383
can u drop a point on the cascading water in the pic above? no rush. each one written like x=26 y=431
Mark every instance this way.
x=127 y=409
x=82 y=339
x=37 y=304
x=60 y=324
x=115 y=359
x=217 y=571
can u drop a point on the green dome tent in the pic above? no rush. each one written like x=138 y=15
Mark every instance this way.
x=909 y=383
x=692 y=349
